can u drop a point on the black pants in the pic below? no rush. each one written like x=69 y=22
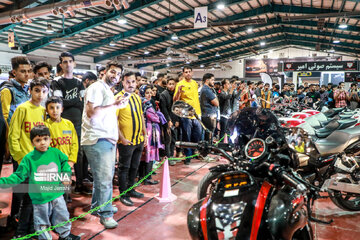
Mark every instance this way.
x=129 y=160
x=210 y=123
x=223 y=127
x=22 y=206
x=170 y=140
x=145 y=168
x=81 y=165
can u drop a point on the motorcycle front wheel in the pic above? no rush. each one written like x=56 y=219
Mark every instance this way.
x=206 y=184
x=346 y=201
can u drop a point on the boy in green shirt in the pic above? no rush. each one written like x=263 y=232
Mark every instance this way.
x=47 y=168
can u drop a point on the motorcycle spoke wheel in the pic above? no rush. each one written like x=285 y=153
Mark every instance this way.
x=345 y=200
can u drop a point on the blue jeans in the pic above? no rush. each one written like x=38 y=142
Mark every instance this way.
x=51 y=214
x=101 y=158
x=191 y=132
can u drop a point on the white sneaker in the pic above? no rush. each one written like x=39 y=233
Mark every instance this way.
x=108 y=223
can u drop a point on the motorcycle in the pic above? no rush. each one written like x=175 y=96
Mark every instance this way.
x=330 y=163
x=260 y=198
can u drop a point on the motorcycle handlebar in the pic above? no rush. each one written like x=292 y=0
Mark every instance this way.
x=288 y=179
x=180 y=144
x=301 y=188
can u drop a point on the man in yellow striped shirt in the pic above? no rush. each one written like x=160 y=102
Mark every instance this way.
x=132 y=138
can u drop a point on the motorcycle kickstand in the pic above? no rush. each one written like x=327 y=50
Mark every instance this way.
x=311 y=218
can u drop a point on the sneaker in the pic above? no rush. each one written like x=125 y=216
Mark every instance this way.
x=114 y=210
x=70 y=237
x=209 y=159
x=108 y=222
x=135 y=194
x=172 y=163
x=77 y=190
x=126 y=201
x=149 y=182
x=187 y=161
x=85 y=190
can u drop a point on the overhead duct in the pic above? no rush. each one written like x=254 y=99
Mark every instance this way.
x=150 y=60
x=49 y=9
x=320 y=15
x=223 y=24
x=188 y=56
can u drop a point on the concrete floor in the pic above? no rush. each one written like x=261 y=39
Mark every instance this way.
x=149 y=219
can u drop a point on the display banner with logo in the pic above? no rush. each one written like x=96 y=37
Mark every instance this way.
x=352 y=77
x=320 y=66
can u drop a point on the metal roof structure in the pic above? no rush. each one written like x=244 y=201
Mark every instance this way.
x=234 y=31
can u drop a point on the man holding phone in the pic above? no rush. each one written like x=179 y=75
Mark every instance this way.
x=187 y=90
x=340 y=96
x=99 y=135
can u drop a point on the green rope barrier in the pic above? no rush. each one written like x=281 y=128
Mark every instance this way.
x=37 y=233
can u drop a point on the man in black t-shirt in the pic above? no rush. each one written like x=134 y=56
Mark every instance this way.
x=315 y=96
x=72 y=91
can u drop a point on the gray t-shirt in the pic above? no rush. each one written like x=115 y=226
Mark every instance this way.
x=207 y=94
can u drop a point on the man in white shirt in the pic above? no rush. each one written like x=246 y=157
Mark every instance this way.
x=99 y=135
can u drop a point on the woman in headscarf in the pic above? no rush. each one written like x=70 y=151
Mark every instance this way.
x=153 y=121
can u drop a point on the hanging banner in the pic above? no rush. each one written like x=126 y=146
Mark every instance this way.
x=200 y=17
x=11 y=39
x=352 y=77
x=320 y=66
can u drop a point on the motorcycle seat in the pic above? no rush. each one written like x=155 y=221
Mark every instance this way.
x=345 y=123
x=333 y=112
x=324 y=132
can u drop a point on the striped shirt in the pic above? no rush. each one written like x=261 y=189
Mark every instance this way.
x=130 y=119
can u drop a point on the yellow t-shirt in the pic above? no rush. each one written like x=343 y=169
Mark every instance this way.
x=26 y=116
x=64 y=137
x=190 y=94
x=130 y=119
x=5 y=103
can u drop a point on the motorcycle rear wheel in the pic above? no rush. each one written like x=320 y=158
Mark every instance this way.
x=206 y=183
x=346 y=201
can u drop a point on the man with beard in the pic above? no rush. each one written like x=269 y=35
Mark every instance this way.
x=225 y=98
x=71 y=90
x=132 y=139
x=99 y=137
x=323 y=94
x=166 y=101
x=315 y=96
x=209 y=104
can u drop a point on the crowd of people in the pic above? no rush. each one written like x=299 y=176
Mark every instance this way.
x=113 y=122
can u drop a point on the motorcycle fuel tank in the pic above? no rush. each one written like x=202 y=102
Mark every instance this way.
x=235 y=210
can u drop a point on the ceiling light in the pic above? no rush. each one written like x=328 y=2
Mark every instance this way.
x=262 y=43
x=202 y=65
x=101 y=52
x=169 y=58
x=212 y=68
x=122 y=20
x=332 y=50
x=63 y=45
x=112 y=44
x=49 y=28
x=343 y=25
x=221 y=6
x=168 y=65
x=200 y=45
x=187 y=62
x=217 y=54
x=146 y=52
x=230 y=60
x=174 y=37
x=336 y=40
x=271 y=51
x=129 y=57
x=250 y=30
